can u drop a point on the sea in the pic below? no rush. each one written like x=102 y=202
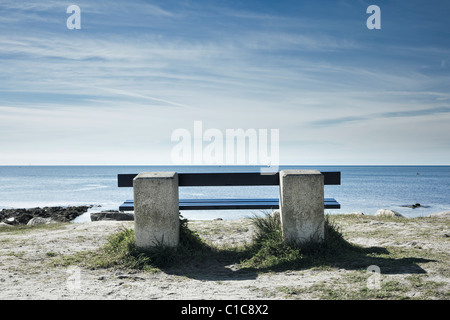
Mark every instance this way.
x=363 y=188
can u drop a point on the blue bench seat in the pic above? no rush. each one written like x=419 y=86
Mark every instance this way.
x=230 y=204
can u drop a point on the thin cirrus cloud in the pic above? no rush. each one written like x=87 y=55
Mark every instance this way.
x=383 y=115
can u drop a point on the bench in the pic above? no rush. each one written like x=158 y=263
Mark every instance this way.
x=229 y=179
x=156 y=202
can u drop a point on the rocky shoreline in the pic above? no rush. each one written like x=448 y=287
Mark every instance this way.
x=41 y=215
x=45 y=215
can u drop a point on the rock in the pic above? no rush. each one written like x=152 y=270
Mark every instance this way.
x=11 y=220
x=2 y=224
x=444 y=214
x=20 y=216
x=388 y=213
x=38 y=220
x=112 y=216
x=415 y=205
x=60 y=214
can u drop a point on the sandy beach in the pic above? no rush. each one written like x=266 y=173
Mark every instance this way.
x=27 y=270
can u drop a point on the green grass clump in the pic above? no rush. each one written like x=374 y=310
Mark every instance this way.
x=120 y=251
x=270 y=252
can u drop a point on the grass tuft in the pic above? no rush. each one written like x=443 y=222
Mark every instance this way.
x=120 y=251
x=270 y=252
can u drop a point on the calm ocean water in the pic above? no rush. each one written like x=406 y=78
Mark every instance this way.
x=363 y=188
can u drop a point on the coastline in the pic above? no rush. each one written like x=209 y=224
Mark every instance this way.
x=91 y=213
x=413 y=254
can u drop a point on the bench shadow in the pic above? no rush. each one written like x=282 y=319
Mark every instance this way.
x=225 y=266
x=211 y=263
x=212 y=270
x=358 y=259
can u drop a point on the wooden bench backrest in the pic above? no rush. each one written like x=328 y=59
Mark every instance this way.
x=229 y=179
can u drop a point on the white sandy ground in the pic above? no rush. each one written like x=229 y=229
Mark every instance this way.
x=26 y=274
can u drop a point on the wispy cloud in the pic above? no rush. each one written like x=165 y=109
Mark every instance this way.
x=29 y=5
x=142 y=96
x=383 y=115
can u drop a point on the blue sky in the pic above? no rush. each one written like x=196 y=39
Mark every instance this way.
x=114 y=91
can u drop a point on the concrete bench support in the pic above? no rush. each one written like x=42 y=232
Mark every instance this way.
x=302 y=205
x=156 y=213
